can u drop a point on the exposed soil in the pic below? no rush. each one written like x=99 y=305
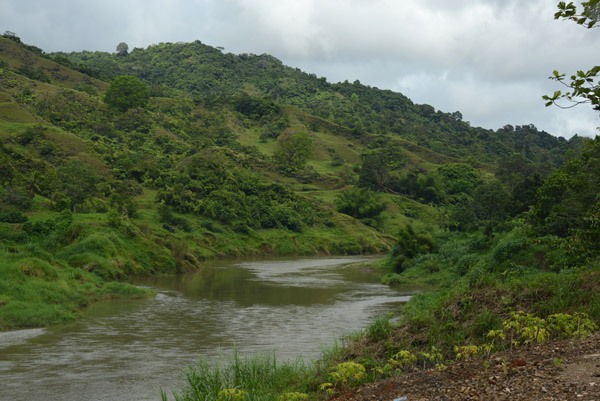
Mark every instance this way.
x=557 y=370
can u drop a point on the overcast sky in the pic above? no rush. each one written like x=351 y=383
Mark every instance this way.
x=488 y=59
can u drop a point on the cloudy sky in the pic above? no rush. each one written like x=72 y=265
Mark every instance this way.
x=489 y=59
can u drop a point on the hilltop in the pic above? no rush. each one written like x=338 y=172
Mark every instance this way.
x=202 y=71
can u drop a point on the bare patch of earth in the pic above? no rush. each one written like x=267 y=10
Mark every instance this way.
x=557 y=370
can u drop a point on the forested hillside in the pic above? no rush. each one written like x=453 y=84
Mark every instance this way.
x=205 y=72
x=151 y=161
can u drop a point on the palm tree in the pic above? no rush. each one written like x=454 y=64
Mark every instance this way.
x=32 y=183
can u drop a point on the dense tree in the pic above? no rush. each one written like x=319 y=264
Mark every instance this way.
x=122 y=49
x=374 y=173
x=490 y=201
x=362 y=204
x=77 y=181
x=461 y=214
x=522 y=180
x=569 y=194
x=408 y=245
x=256 y=108
x=568 y=203
x=293 y=151
x=32 y=183
x=381 y=159
x=457 y=178
x=126 y=92
x=216 y=78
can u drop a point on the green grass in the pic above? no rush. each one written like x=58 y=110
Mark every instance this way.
x=261 y=377
x=41 y=290
x=473 y=284
x=12 y=114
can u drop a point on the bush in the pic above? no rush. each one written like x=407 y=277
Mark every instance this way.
x=167 y=217
x=16 y=197
x=408 y=245
x=465 y=263
x=505 y=250
x=362 y=204
x=13 y=216
x=292 y=151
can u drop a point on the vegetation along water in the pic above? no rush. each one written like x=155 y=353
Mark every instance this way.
x=149 y=164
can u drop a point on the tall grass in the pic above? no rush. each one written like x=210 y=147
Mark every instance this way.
x=41 y=290
x=260 y=376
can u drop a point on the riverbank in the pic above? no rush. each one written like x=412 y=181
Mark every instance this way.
x=56 y=264
x=481 y=295
x=129 y=350
x=39 y=291
x=557 y=370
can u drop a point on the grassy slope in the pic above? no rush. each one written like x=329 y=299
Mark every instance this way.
x=15 y=57
x=93 y=252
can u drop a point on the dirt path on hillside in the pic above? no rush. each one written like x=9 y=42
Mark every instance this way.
x=558 y=370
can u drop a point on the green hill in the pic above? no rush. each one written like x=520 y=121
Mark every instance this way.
x=205 y=72
x=198 y=154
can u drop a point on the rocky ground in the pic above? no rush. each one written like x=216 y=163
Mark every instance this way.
x=557 y=370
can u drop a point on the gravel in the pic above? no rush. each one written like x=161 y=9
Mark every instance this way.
x=556 y=370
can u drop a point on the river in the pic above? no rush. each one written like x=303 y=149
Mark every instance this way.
x=129 y=350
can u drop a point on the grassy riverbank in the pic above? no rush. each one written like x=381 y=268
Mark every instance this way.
x=425 y=337
x=429 y=329
x=38 y=290
x=49 y=277
x=482 y=296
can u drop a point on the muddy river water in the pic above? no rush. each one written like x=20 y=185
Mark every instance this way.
x=129 y=350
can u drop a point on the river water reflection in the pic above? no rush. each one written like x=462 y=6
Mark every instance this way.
x=128 y=350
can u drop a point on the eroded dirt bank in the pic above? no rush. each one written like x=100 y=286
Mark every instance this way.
x=557 y=370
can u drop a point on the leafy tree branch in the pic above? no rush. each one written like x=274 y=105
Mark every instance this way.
x=584 y=86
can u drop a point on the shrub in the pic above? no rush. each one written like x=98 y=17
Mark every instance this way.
x=408 y=245
x=17 y=197
x=505 y=250
x=362 y=204
x=347 y=373
x=13 y=216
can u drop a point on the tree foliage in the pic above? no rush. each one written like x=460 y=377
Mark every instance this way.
x=77 y=181
x=126 y=92
x=122 y=49
x=212 y=184
x=487 y=207
x=213 y=77
x=458 y=178
x=292 y=151
x=408 y=245
x=195 y=147
x=569 y=194
x=491 y=204
x=362 y=204
x=584 y=86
